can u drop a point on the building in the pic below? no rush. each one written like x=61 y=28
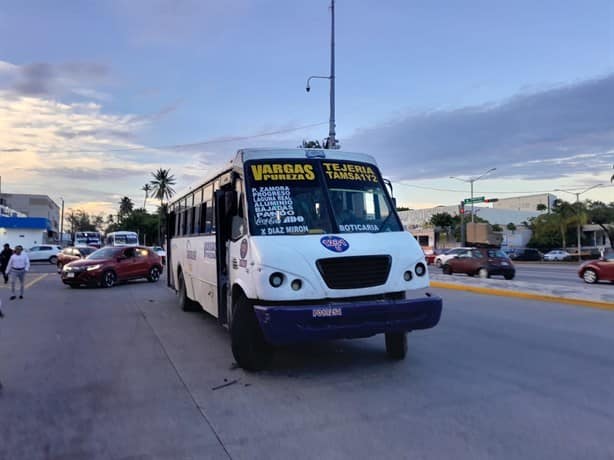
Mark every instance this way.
x=26 y=231
x=34 y=206
x=420 y=217
x=526 y=202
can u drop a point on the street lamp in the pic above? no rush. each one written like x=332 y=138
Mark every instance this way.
x=62 y=224
x=332 y=142
x=577 y=194
x=471 y=180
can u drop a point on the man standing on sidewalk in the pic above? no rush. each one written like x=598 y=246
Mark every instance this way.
x=18 y=265
x=5 y=255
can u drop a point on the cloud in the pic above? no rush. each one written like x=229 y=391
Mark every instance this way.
x=557 y=132
x=47 y=79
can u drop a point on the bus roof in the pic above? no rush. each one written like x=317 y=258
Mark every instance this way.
x=262 y=153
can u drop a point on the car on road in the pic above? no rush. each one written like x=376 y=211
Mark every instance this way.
x=557 y=255
x=109 y=265
x=160 y=251
x=72 y=253
x=522 y=254
x=482 y=262
x=441 y=259
x=44 y=252
x=598 y=270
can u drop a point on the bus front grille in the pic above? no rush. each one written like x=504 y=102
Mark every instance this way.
x=354 y=272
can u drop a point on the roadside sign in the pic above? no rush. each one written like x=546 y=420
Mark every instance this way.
x=477 y=199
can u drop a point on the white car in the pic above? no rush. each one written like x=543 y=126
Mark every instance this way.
x=160 y=251
x=44 y=252
x=441 y=259
x=557 y=254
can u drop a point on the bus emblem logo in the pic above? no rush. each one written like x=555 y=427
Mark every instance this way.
x=334 y=243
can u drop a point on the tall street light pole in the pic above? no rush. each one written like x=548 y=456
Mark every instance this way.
x=62 y=224
x=471 y=180
x=332 y=141
x=579 y=226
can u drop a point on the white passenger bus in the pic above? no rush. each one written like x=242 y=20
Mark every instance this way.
x=122 y=238
x=285 y=246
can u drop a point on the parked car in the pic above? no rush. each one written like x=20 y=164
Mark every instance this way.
x=524 y=254
x=557 y=254
x=108 y=265
x=71 y=253
x=441 y=259
x=483 y=262
x=44 y=252
x=160 y=251
x=598 y=270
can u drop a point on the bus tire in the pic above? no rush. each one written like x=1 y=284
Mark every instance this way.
x=185 y=303
x=249 y=347
x=396 y=345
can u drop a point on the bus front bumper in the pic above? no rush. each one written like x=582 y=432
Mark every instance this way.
x=293 y=324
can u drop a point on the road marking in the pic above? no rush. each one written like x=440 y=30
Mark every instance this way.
x=35 y=280
x=525 y=295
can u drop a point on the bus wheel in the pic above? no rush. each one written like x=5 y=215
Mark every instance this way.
x=396 y=344
x=185 y=303
x=249 y=348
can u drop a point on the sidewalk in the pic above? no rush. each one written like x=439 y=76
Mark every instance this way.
x=572 y=293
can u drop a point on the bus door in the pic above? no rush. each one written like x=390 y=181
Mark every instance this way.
x=170 y=232
x=225 y=208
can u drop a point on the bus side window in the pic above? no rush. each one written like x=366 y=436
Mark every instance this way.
x=209 y=217
x=196 y=219
x=177 y=216
x=203 y=218
x=182 y=223
x=189 y=223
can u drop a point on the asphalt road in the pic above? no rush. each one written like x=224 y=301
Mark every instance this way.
x=122 y=373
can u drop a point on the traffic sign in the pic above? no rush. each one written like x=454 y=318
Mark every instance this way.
x=477 y=199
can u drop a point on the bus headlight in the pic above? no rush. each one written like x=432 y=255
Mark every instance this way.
x=420 y=269
x=296 y=284
x=276 y=279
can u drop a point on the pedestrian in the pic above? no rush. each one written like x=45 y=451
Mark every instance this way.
x=5 y=255
x=17 y=267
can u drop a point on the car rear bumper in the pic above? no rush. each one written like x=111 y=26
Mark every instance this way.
x=323 y=321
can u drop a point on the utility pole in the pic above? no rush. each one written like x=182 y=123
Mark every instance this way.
x=471 y=180
x=331 y=141
x=62 y=224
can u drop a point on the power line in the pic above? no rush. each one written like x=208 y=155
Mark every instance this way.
x=438 y=189
x=193 y=144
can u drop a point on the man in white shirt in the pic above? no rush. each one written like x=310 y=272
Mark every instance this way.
x=17 y=267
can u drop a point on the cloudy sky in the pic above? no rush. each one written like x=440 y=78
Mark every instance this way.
x=96 y=95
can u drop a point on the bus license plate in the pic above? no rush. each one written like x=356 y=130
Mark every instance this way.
x=326 y=312
x=70 y=275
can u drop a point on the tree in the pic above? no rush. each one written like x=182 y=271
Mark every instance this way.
x=125 y=207
x=564 y=213
x=441 y=219
x=161 y=185
x=146 y=188
x=542 y=207
x=162 y=189
x=497 y=228
x=603 y=215
x=511 y=227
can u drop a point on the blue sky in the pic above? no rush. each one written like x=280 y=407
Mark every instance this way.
x=432 y=89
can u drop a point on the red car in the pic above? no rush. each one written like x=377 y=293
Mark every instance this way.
x=598 y=270
x=482 y=262
x=73 y=253
x=108 y=265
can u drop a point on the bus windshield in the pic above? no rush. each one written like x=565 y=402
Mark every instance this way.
x=294 y=197
x=125 y=239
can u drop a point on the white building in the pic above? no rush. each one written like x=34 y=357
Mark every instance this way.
x=26 y=231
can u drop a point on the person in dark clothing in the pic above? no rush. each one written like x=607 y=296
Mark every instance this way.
x=5 y=256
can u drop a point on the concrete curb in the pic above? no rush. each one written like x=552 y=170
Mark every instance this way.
x=524 y=295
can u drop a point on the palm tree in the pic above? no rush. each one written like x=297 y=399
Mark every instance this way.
x=162 y=190
x=125 y=207
x=161 y=185
x=146 y=188
x=565 y=214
